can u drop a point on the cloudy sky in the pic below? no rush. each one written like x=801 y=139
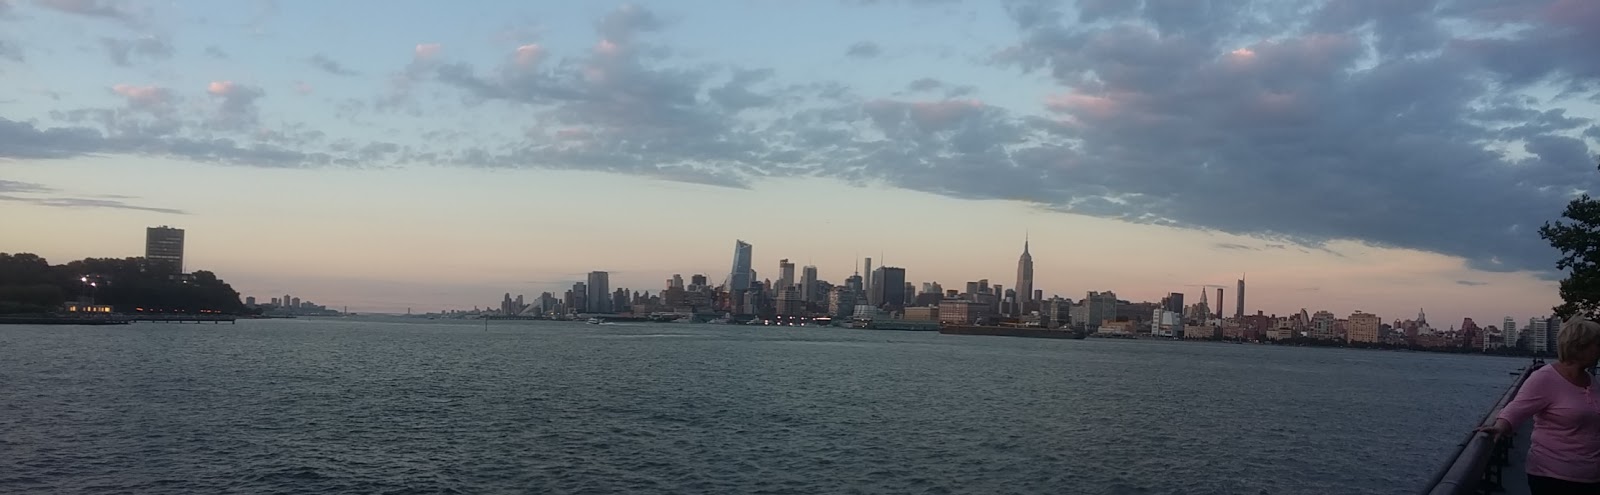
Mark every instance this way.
x=1356 y=154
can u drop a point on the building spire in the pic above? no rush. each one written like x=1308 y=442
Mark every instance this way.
x=1024 y=241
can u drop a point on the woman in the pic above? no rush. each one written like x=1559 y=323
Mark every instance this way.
x=1564 y=402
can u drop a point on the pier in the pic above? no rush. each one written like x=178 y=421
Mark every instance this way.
x=1482 y=464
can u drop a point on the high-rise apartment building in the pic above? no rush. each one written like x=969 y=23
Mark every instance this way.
x=599 y=292
x=1362 y=327
x=1508 y=328
x=1539 y=330
x=163 y=249
x=740 y=276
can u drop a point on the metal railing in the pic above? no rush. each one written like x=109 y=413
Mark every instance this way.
x=1479 y=461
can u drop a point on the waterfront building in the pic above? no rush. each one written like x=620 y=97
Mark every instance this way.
x=1363 y=327
x=163 y=249
x=922 y=313
x=1120 y=328
x=1322 y=325
x=960 y=311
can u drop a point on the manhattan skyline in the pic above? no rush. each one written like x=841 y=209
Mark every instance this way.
x=1343 y=156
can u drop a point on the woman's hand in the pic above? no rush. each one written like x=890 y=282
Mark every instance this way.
x=1500 y=429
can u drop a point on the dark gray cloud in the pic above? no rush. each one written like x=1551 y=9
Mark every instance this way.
x=87 y=203
x=11 y=186
x=236 y=104
x=123 y=52
x=924 y=84
x=1234 y=246
x=1470 y=283
x=22 y=140
x=216 y=52
x=39 y=195
x=325 y=64
x=864 y=49
x=1177 y=116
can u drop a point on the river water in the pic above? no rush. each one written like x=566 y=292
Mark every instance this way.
x=416 y=406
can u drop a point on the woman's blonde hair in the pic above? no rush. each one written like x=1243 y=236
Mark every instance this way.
x=1576 y=334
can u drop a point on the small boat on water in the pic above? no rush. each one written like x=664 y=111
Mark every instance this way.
x=596 y=321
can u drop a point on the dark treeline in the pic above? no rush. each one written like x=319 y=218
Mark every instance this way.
x=30 y=284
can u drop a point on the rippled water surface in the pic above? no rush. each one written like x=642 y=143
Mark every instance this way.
x=405 y=406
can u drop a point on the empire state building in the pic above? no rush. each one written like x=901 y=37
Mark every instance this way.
x=1024 y=279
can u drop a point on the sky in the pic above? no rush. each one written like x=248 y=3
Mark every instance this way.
x=1343 y=155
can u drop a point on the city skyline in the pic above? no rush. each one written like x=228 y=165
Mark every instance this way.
x=1379 y=157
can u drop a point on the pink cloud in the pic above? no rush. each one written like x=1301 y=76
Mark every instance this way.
x=939 y=114
x=607 y=48
x=529 y=55
x=143 y=96
x=1084 y=104
x=303 y=88
x=222 y=88
x=428 y=51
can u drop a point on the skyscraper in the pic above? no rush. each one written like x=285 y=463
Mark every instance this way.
x=808 y=284
x=866 y=278
x=875 y=287
x=739 y=276
x=1024 y=286
x=893 y=285
x=163 y=249
x=1175 y=302
x=599 y=292
x=785 y=274
x=1219 y=303
x=1238 y=296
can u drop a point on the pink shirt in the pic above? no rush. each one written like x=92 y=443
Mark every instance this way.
x=1566 y=426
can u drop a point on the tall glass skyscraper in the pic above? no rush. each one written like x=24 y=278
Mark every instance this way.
x=739 y=276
